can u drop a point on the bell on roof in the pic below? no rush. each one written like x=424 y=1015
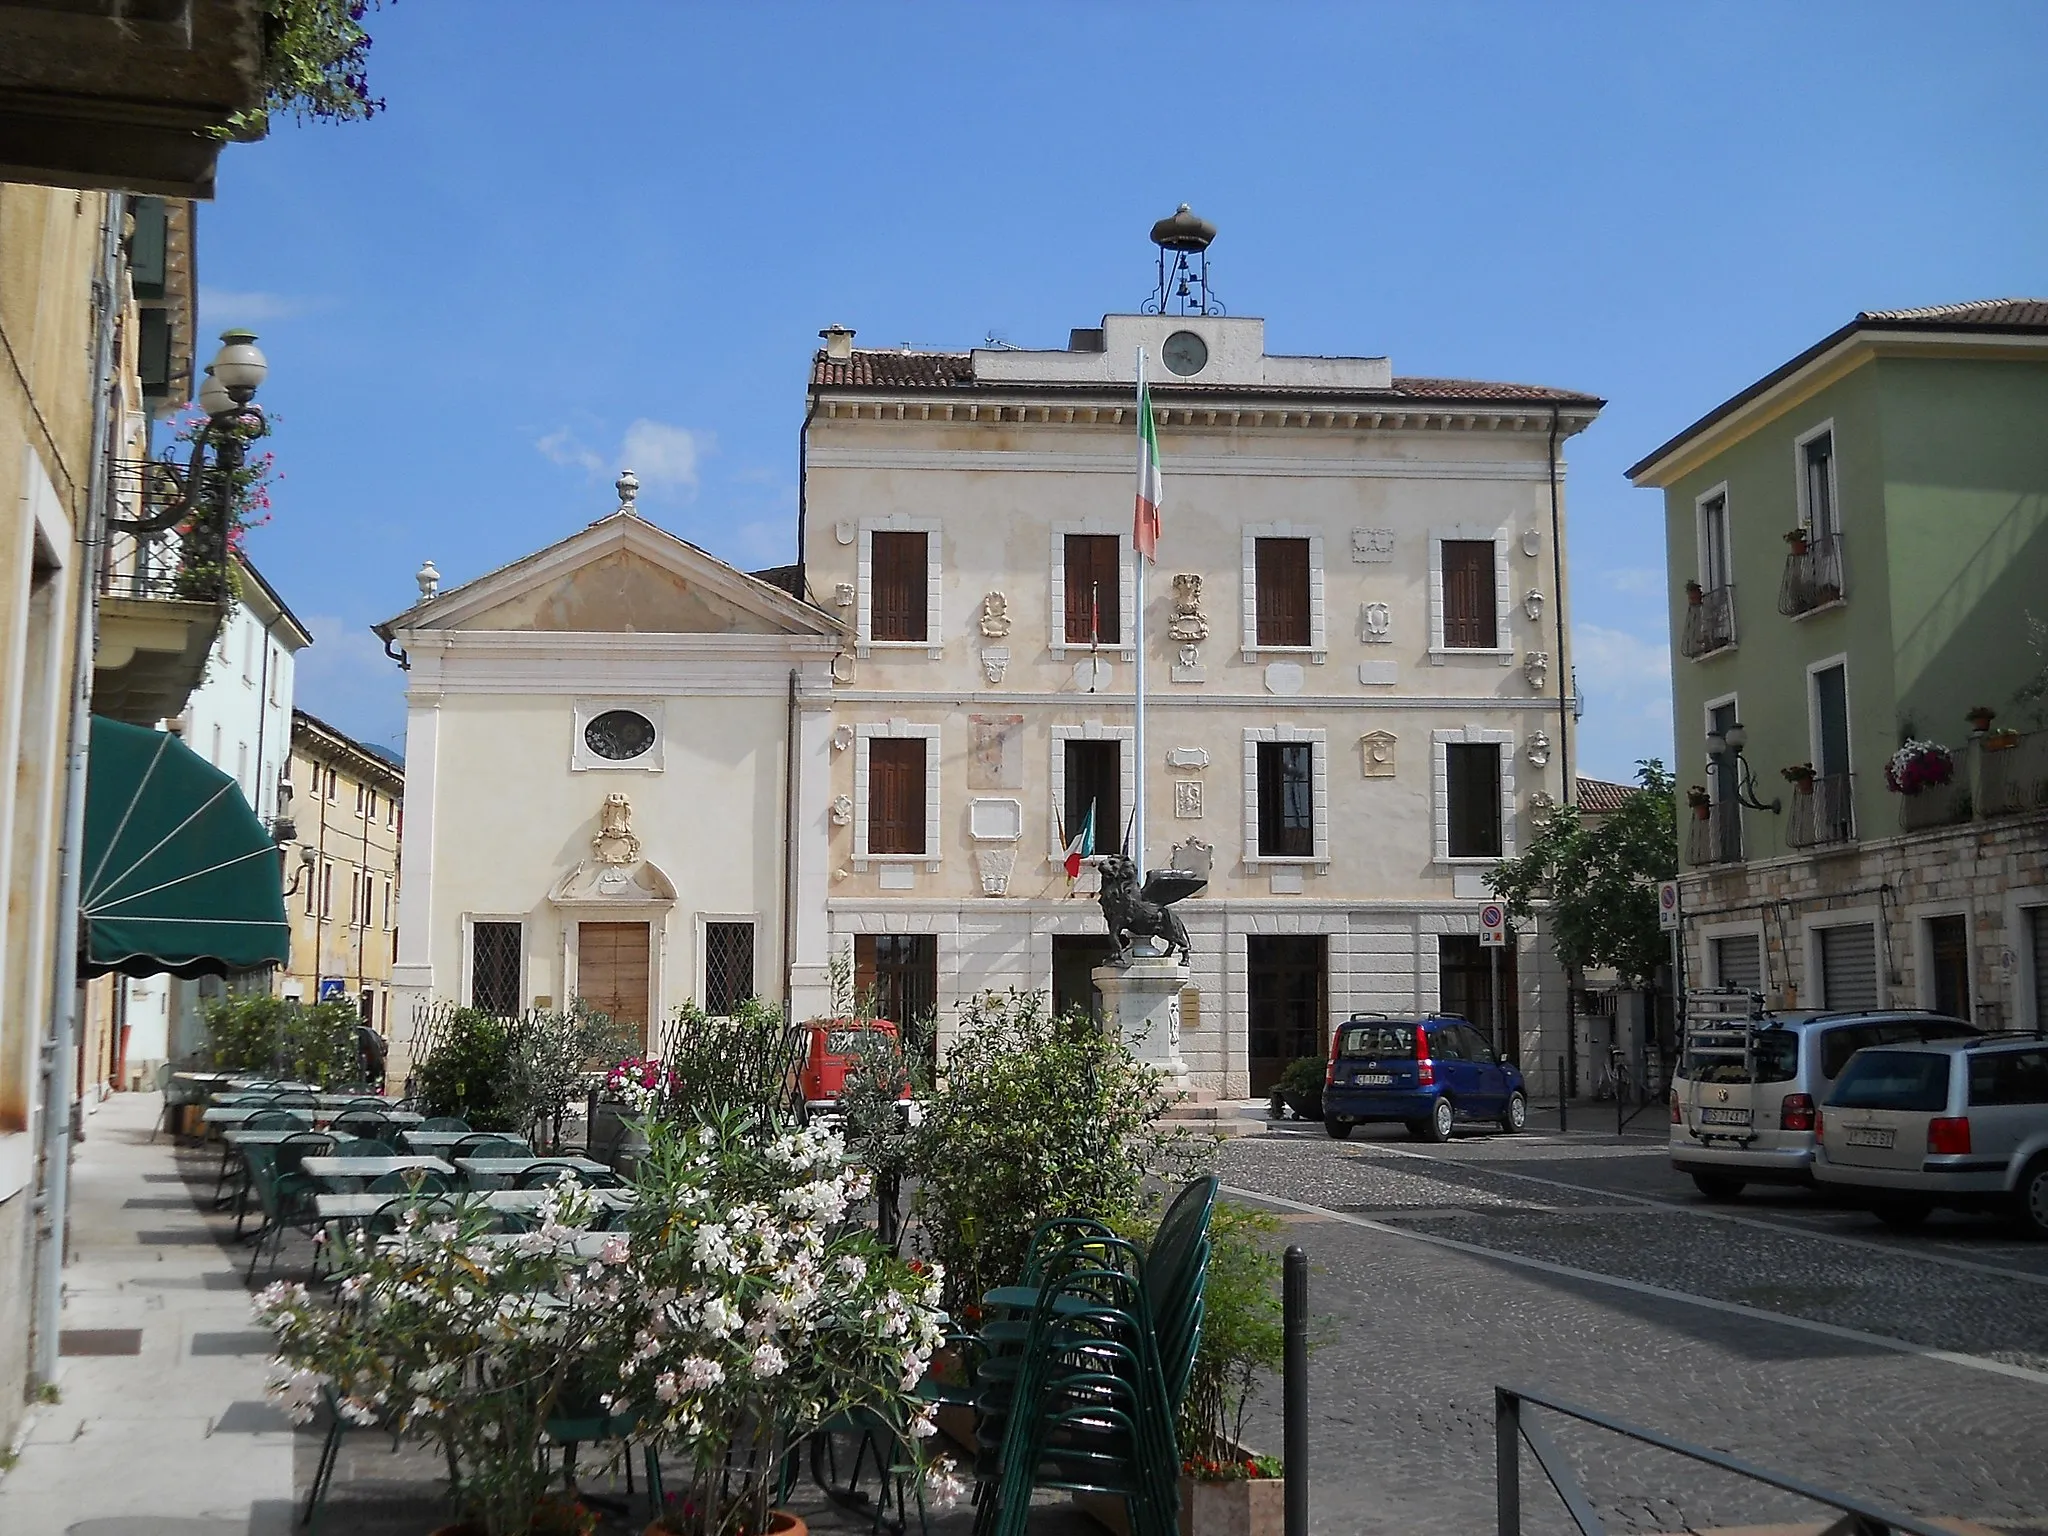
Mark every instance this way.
x=1183 y=239
x=1184 y=231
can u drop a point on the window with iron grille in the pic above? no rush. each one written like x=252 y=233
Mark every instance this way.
x=900 y=586
x=1470 y=620
x=896 y=794
x=1283 y=592
x=1094 y=588
x=494 y=968
x=1286 y=800
x=1472 y=785
x=899 y=972
x=728 y=966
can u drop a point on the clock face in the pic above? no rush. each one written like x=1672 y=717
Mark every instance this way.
x=619 y=734
x=1185 y=353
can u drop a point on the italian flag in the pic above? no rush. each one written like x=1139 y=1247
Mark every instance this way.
x=1151 y=492
x=1082 y=845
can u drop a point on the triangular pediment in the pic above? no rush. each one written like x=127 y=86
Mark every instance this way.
x=621 y=575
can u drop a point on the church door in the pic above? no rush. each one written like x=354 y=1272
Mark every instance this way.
x=611 y=970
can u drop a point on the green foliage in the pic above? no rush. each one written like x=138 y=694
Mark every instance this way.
x=1597 y=884
x=315 y=66
x=1301 y=1087
x=255 y=1032
x=1242 y=1336
x=554 y=1053
x=1033 y=1117
x=747 y=1061
x=471 y=1071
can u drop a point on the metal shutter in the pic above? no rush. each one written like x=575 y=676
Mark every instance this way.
x=1739 y=962
x=1848 y=966
x=2037 y=924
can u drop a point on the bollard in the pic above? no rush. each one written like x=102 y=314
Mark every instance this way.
x=1564 y=1095
x=1294 y=1379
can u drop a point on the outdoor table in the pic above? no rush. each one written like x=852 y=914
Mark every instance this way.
x=249 y=1080
x=487 y=1172
x=241 y=1138
x=352 y=1171
x=437 y=1142
x=358 y=1207
x=213 y=1079
x=311 y=1114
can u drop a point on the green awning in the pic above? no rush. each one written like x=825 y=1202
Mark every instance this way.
x=179 y=874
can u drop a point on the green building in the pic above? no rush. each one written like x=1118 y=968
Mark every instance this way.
x=1858 y=560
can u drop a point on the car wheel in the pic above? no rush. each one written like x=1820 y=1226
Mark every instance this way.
x=1516 y=1116
x=2030 y=1199
x=1338 y=1130
x=1902 y=1215
x=1438 y=1126
x=1718 y=1186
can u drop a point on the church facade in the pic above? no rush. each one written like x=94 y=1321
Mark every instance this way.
x=1358 y=701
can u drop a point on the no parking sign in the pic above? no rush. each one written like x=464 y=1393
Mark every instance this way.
x=1667 y=905
x=1493 y=926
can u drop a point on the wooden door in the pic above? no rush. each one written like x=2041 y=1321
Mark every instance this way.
x=611 y=970
x=1287 y=992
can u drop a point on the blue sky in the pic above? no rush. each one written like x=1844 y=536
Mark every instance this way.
x=586 y=234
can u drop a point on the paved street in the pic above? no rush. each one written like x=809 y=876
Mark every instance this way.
x=1911 y=1370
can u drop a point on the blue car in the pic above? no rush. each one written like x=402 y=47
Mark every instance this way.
x=1426 y=1073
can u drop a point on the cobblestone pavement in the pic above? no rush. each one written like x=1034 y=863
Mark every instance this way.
x=1415 y=1334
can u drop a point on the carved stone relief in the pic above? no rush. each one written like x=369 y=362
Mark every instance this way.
x=1542 y=805
x=842 y=593
x=995 y=661
x=1372 y=546
x=1535 y=666
x=995 y=616
x=1532 y=603
x=1537 y=750
x=1375 y=623
x=995 y=751
x=1188 y=621
x=842 y=737
x=1376 y=753
x=1285 y=678
x=994 y=865
x=843 y=668
x=1188 y=757
x=615 y=842
x=1194 y=856
x=1187 y=799
x=1532 y=543
x=842 y=810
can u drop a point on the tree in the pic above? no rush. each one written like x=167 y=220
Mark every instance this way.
x=1596 y=883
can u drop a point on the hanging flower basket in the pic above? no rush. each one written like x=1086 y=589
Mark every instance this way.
x=1800 y=776
x=1798 y=538
x=1919 y=765
x=1701 y=802
x=1695 y=594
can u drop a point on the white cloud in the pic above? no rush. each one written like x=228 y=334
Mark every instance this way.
x=1633 y=583
x=1626 y=682
x=345 y=678
x=564 y=447
x=664 y=456
x=229 y=307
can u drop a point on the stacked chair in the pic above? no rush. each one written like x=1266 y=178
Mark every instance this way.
x=1084 y=1366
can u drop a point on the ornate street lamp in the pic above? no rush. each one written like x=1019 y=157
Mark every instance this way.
x=1727 y=750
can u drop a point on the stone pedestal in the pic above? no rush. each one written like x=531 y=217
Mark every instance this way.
x=1141 y=1002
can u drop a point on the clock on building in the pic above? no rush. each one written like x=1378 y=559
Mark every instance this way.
x=1185 y=353
x=619 y=734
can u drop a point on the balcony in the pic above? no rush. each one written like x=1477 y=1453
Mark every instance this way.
x=162 y=599
x=1813 y=576
x=1709 y=622
x=125 y=94
x=1715 y=838
x=2014 y=774
x=1823 y=812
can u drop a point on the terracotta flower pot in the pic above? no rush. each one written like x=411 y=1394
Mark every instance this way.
x=780 y=1523
x=1702 y=812
x=1250 y=1507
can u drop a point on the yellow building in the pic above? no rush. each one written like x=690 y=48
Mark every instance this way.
x=348 y=808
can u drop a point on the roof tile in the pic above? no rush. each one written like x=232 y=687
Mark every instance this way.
x=2002 y=313
x=1599 y=797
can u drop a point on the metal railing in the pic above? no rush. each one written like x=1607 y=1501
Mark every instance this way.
x=1715 y=838
x=2014 y=778
x=1709 y=623
x=1813 y=576
x=1512 y=1427
x=1938 y=805
x=170 y=565
x=1823 y=812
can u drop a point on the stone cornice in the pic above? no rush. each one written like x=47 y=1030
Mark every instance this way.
x=1339 y=414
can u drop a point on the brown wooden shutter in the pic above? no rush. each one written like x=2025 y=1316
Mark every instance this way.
x=899 y=589
x=1094 y=576
x=1469 y=618
x=1283 y=592
x=896 y=795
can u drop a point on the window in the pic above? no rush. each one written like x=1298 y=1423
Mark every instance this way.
x=387 y=904
x=1824 y=812
x=1715 y=567
x=1472 y=788
x=1724 y=827
x=1286 y=800
x=1948 y=965
x=359 y=799
x=494 y=968
x=899 y=973
x=896 y=793
x=1283 y=592
x=333 y=787
x=1817 y=509
x=312 y=885
x=1094 y=588
x=1739 y=962
x=1095 y=782
x=1465 y=987
x=2009 y=1077
x=391 y=811
x=1470 y=619
x=327 y=890
x=728 y=966
x=355 y=898
x=901 y=586
x=1915 y=1081
x=371 y=811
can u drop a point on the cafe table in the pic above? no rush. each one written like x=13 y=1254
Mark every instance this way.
x=439 y=1143
x=492 y=1172
x=353 y=1172
x=235 y=1114
x=357 y=1206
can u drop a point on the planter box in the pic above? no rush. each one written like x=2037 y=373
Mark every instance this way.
x=1255 y=1507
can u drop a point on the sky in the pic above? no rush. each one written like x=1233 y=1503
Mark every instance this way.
x=608 y=232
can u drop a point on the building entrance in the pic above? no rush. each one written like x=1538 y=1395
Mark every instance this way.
x=1287 y=1003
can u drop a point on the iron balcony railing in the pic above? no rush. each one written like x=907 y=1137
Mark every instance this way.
x=1709 y=623
x=1813 y=576
x=182 y=562
x=2014 y=774
x=1938 y=805
x=1715 y=838
x=1823 y=812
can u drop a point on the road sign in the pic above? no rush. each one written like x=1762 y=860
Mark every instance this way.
x=1667 y=905
x=1493 y=926
x=332 y=988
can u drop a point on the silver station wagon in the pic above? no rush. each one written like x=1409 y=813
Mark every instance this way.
x=1746 y=1096
x=1949 y=1122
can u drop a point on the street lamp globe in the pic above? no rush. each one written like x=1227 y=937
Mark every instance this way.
x=240 y=365
x=1738 y=738
x=1716 y=744
x=214 y=398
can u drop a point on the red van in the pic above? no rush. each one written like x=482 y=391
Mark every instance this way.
x=829 y=1056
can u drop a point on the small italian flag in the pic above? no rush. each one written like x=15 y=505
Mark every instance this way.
x=1151 y=492
x=1082 y=845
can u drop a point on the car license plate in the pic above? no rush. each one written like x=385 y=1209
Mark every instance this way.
x=1373 y=1079
x=1724 y=1117
x=1870 y=1136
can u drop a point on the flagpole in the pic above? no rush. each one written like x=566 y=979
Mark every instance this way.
x=1138 y=634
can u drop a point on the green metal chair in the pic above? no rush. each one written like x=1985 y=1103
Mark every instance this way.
x=361 y=1146
x=286 y=1192
x=412 y=1181
x=444 y=1123
x=233 y=1164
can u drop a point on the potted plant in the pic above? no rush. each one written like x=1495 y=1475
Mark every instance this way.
x=1800 y=776
x=1798 y=538
x=2003 y=739
x=470 y=1345
x=1701 y=802
x=1300 y=1090
x=756 y=1314
x=1918 y=765
x=1980 y=718
x=1695 y=594
x=1227 y=1490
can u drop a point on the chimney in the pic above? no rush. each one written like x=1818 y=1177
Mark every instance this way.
x=838 y=342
